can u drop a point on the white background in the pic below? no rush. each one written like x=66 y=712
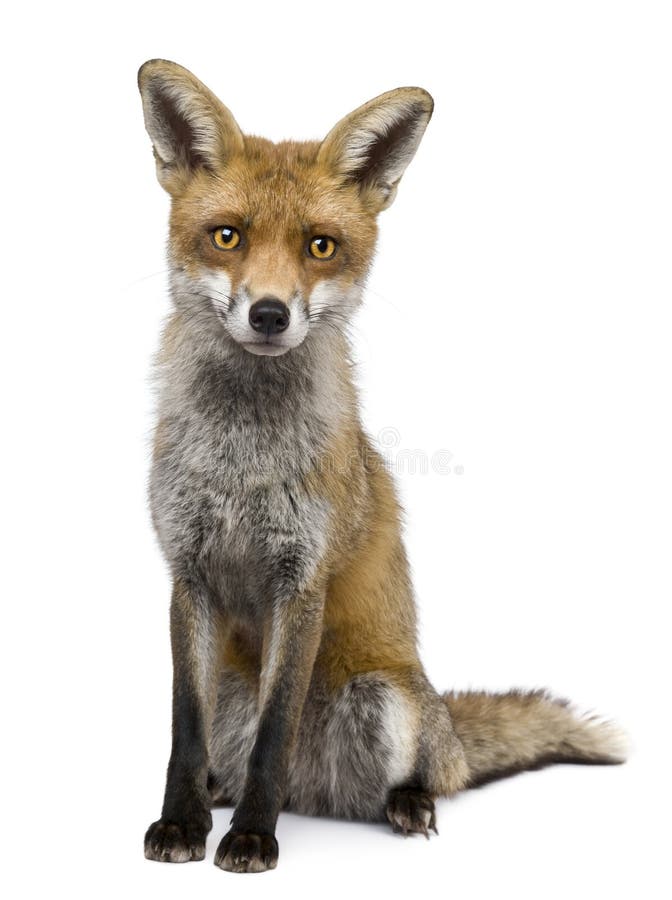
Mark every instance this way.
x=518 y=317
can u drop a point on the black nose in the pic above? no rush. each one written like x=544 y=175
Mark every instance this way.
x=269 y=316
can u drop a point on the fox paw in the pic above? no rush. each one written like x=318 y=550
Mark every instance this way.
x=173 y=842
x=247 y=852
x=411 y=811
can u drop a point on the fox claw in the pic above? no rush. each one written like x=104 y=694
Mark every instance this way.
x=411 y=811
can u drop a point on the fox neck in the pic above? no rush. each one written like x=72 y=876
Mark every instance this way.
x=303 y=398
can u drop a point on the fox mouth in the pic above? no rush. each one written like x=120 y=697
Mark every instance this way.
x=265 y=348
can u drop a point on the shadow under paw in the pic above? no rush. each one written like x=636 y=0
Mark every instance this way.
x=411 y=811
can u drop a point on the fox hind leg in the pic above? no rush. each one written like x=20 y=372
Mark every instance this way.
x=380 y=750
x=440 y=767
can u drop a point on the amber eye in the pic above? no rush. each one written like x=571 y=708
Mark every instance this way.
x=225 y=237
x=322 y=247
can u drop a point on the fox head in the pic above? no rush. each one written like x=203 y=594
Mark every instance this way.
x=270 y=243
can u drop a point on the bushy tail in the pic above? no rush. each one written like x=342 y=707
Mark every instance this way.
x=503 y=734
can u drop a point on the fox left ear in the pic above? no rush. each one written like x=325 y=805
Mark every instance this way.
x=374 y=144
x=190 y=128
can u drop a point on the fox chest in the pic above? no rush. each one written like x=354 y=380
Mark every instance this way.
x=231 y=509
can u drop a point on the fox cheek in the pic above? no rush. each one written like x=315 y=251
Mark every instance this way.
x=332 y=297
x=217 y=287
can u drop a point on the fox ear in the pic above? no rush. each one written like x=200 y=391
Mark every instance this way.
x=374 y=144
x=189 y=127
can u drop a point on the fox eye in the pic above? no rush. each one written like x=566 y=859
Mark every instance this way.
x=322 y=247
x=225 y=237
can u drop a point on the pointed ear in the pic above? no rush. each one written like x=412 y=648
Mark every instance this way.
x=374 y=144
x=189 y=127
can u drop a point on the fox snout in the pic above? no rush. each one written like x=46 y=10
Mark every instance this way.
x=266 y=325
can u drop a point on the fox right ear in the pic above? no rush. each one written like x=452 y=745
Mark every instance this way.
x=373 y=145
x=190 y=128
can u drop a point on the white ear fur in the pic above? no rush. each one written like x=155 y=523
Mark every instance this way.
x=188 y=125
x=374 y=144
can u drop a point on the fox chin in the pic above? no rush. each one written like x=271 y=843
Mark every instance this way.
x=297 y=682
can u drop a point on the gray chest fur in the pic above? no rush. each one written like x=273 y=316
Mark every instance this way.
x=227 y=491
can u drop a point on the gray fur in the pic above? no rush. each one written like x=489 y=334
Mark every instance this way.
x=239 y=434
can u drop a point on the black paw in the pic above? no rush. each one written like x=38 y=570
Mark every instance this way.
x=411 y=812
x=175 y=842
x=247 y=852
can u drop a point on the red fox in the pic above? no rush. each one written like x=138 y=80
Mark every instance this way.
x=297 y=682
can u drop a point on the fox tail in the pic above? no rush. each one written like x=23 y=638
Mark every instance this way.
x=503 y=734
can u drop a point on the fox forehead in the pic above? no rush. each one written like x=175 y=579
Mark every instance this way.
x=279 y=195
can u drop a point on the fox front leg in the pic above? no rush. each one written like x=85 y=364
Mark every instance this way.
x=291 y=639
x=179 y=835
